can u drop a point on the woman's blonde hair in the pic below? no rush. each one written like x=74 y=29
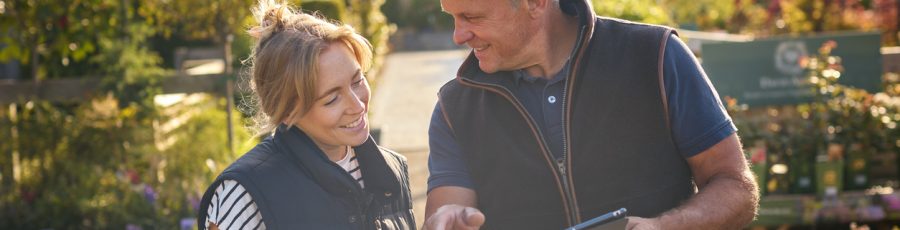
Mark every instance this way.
x=284 y=60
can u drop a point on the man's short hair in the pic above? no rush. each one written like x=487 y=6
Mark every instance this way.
x=515 y=3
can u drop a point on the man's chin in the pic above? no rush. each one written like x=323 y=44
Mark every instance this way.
x=487 y=68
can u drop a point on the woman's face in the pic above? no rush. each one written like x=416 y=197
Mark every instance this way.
x=337 y=117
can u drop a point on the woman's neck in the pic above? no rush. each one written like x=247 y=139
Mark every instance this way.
x=335 y=153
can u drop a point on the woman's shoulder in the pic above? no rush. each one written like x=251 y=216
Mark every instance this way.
x=263 y=152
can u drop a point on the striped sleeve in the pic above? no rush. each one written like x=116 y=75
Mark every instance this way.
x=231 y=207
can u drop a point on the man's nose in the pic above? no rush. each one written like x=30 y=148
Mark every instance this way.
x=461 y=34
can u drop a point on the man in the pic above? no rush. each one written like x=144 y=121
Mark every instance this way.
x=558 y=116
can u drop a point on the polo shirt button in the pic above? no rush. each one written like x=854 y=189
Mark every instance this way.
x=352 y=219
x=551 y=99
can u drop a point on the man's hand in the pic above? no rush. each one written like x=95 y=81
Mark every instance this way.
x=452 y=207
x=455 y=217
x=637 y=223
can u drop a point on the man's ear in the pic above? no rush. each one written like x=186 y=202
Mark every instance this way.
x=537 y=7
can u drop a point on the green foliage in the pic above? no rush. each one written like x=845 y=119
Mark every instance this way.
x=846 y=115
x=646 y=11
x=200 y=20
x=55 y=35
x=366 y=17
x=417 y=14
x=332 y=9
x=57 y=40
x=804 y=16
x=132 y=71
x=743 y=17
x=98 y=166
x=776 y=17
x=702 y=13
x=109 y=163
x=121 y=159
x=841 y=123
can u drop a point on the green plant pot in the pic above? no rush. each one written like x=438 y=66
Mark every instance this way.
x=829 y=177
x=857 y=177
x=803 y=175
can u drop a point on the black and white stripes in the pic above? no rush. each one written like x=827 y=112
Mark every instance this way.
x=233 y=208
x=351 y=165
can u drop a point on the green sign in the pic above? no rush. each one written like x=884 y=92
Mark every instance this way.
x=768 y=71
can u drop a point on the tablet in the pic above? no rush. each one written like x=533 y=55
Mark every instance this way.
x=612 y=220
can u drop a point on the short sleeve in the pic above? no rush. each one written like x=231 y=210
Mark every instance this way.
x=446 y=163
x=699 y=120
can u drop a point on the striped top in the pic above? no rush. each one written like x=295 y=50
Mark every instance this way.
x=350 y=164
x=233 y=208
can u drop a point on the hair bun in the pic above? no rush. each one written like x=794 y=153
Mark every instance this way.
x=271 y=17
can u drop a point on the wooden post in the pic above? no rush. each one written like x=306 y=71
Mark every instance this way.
x=34 y=64
x=229 y=91
x=15 y=171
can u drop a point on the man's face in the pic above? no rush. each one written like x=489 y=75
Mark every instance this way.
x=498 y=31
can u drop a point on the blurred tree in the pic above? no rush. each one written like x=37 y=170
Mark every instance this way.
x=856 y=123
x=705 y=14
x=216 y=21
x=750 y=17
x=886 y=11
x=775 y=17
x=52 y=38
x=120 y=159
x=332 y=9
x=809 y=16
x=417 y=14
x=200 y=20
x=100 y=166
x=646 y=11
x=366 y=17
x=805 y=16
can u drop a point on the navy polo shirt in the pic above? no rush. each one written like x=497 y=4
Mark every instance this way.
x=697 y=116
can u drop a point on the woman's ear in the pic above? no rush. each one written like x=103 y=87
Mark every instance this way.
x=294 y=116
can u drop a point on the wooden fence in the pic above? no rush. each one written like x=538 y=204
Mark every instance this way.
x=82 y=89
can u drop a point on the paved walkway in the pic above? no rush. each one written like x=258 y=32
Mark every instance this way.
x=404 y=97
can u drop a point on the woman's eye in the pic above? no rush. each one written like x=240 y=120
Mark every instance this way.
x=333 y=99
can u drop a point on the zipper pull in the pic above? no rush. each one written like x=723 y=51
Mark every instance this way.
x=562 y=168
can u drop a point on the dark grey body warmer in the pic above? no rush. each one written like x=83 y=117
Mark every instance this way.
x=295 y=186
x=619 y=148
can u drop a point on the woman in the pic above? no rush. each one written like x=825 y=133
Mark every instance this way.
x=319 y=169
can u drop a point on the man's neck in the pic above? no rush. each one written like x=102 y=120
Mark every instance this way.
x=559 y=41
